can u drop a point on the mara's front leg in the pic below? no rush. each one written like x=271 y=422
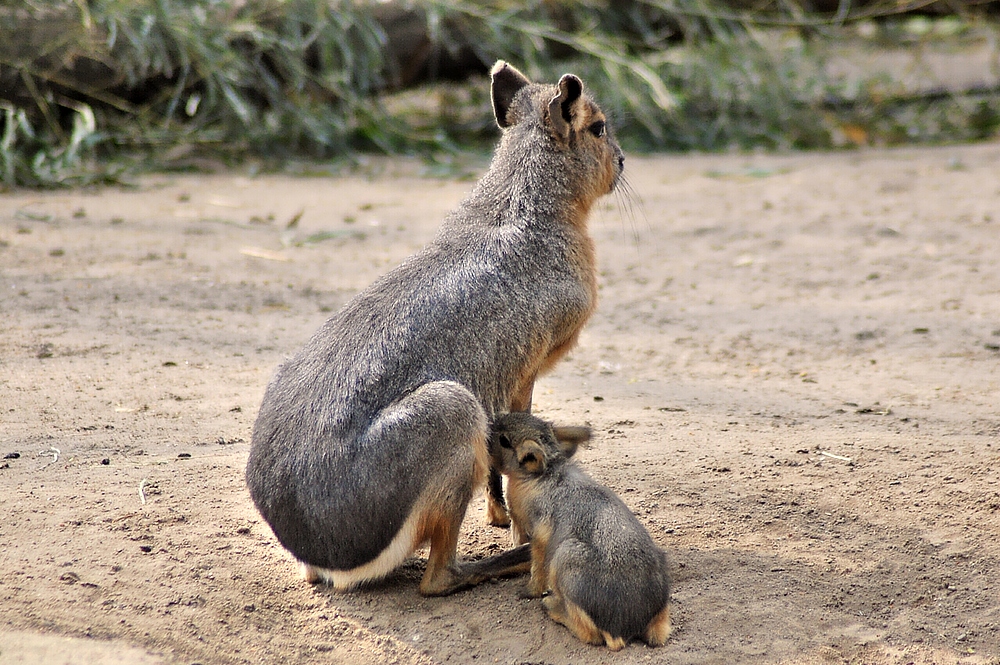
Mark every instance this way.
x=539 y=582
x=496 y=507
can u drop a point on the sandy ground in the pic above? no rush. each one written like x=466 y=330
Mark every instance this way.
x=793 y=375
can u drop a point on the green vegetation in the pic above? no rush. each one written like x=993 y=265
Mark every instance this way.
x=89 y=88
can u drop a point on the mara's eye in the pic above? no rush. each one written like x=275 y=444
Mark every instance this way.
x=598 y=128
x=505 y=442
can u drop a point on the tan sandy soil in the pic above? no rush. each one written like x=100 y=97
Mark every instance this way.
x=793 y=374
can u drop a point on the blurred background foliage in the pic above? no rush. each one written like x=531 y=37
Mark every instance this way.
x=90 y=89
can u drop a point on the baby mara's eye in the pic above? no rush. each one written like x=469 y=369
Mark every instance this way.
x=505 y=442
x=598 y=128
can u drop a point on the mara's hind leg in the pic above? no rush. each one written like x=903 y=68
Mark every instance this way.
x=445 y=574
x=442 y=575
x=570 y=615
x=571 y=569
x=454 y=426
x=614 y=643
x=659 y=629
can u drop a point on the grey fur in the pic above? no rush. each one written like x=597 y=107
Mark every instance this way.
x=598 y=555
x=381 y=408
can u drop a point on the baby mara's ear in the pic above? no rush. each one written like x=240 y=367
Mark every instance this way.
x=531 y=457
x=566 y=107
x=507 y=82
x=570 y=438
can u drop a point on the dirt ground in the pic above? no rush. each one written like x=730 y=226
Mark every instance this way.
x=792 y=373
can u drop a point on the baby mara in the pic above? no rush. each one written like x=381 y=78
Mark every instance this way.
x=608 y=579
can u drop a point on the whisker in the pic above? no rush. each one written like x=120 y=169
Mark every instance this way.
x=629 y=201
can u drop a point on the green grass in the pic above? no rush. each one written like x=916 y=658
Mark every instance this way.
x=94 y=89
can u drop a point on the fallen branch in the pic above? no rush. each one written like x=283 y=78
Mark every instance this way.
x=837 y=457
x=258 y=253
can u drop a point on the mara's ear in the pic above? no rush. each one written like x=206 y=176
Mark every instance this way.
x=570 y=438
x=507 y=81
x=531 y=457
x=566 y=104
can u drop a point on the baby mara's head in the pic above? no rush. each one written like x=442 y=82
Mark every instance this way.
x=522 y=444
